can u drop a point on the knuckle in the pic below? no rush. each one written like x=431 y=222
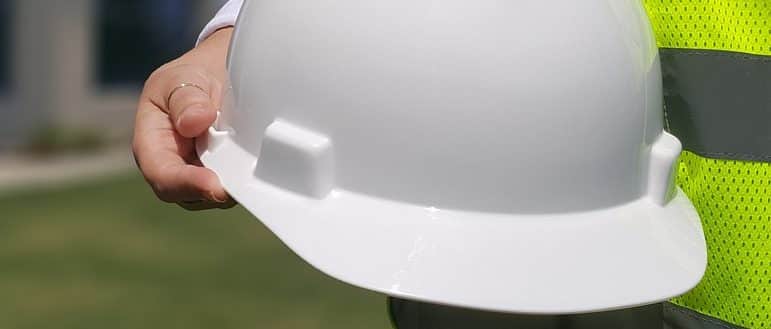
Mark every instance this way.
x=163 y=192
x=156 y=76
x=160 y=187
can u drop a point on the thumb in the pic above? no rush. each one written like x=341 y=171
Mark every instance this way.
x=189 y=100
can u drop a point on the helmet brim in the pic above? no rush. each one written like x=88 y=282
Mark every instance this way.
x=631 y=255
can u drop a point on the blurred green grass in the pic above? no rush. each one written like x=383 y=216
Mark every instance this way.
x=106 y=254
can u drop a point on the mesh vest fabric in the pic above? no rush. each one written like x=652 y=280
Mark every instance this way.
x=734 y=201
x=732 y=197
x=731 y=25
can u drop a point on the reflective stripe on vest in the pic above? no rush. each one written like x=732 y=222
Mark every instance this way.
x=716 y=60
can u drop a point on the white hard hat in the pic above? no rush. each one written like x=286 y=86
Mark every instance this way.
x=498 y=155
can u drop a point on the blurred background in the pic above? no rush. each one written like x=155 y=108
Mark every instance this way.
x=83 y=241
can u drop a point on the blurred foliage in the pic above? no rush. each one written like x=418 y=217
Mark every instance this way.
x=106 y=254
x=52 y=140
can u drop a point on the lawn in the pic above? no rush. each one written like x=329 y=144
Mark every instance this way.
x=106 y=254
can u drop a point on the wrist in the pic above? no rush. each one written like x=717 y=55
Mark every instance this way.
x=212 y=52
x=217 y=38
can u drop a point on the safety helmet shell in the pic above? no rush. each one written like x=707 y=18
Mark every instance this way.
x=499 y=155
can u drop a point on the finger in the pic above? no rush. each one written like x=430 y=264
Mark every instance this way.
x=164 y=157
x=186 y=182
x=187 y=94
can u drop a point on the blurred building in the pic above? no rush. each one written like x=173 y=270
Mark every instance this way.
x=81 y=63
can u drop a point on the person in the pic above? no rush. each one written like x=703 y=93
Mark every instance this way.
x=715 y=58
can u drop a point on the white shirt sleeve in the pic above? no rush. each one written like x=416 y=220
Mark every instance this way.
x=225 y=17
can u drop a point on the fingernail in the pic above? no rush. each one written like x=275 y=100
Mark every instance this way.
x=190 y=112
x=213 y=197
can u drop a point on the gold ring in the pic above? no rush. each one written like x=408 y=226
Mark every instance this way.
x=181 y=86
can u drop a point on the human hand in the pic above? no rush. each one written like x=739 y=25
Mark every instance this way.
x=179 y=102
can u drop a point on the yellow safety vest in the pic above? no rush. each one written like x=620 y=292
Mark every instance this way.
x=716 y=59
